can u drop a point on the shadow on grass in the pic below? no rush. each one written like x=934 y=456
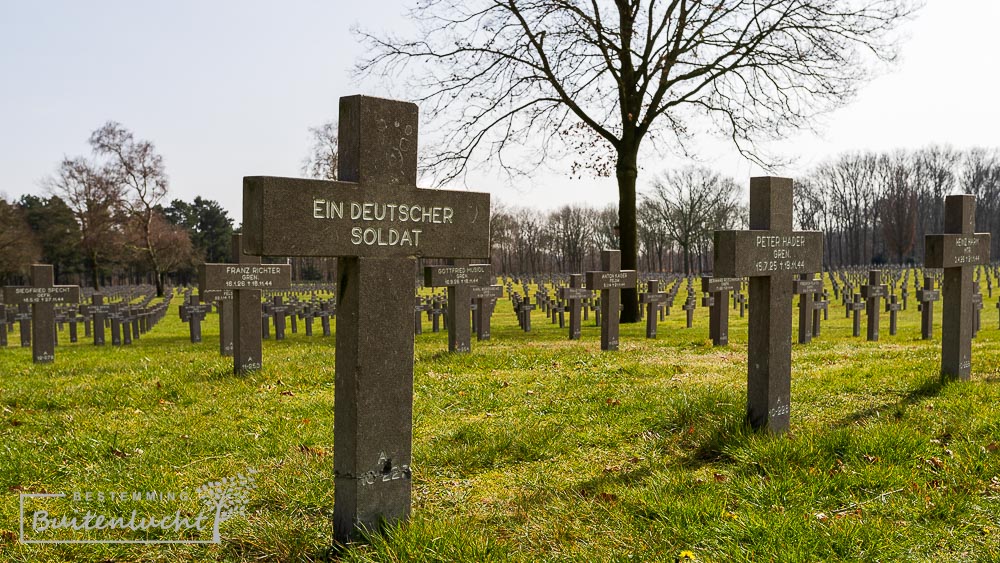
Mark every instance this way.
x=930 y=387
x=713 y=445
x=223 y=373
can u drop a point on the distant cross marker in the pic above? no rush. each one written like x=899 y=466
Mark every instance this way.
x=42 y=295
x=460 y=276
x=957 y=251
x=718 y=312
x=245 y=279
x=574 y=296
x=769 y=254
x=652 y=299
x=806 y=288
x=894 y=307
x=927 y=295
x=610 y=281
x=854 y=308
x=873 y=293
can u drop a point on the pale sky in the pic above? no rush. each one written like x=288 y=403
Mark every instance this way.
x=227 y=89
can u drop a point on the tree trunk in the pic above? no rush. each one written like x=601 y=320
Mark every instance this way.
x=94 y=276
x=627 y=172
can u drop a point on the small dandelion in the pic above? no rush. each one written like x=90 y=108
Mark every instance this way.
x=686 y=555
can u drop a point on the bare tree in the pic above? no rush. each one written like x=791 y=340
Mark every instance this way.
x=322 y=160
x=139 y=171
x=654 y=237
x=899 y=205
x=570 y=231
x=93 y=197
x=935 y=175
x=853 y=187
x=605 y=230
x=171 y=243
x=597 y=78
x=692 y=203
x=980 y=176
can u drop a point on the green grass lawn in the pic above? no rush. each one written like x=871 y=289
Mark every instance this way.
x=532 y=447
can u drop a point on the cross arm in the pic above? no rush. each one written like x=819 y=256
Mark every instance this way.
x=763 y=253
x=301 y=217
x=955 y=250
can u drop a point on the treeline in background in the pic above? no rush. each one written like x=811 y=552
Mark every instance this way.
x=874 y=208
x=105 y=218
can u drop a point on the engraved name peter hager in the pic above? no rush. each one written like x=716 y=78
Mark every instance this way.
x=781 y=252
x=383 y=212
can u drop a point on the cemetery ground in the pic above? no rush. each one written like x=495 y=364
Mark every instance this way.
x=533 y=447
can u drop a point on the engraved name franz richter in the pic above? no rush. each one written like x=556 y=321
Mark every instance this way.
x=250 y=276
x=399 y=214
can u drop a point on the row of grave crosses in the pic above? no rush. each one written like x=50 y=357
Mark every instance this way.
x=43 y=304
x=377 y=222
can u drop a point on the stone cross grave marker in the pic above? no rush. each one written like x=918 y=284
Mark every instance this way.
x=279 y=312
x=873 y=293
x=957 y=251
x=42 y=295
x=652 y=299
x=459 y=277
x=99 y=312
x=115 y=320
x=690 y=304
x=610 y=281
x=894 y=306
x=819 y=305
x=806 y=288
x=769 y=253
x=193 y=312
x=485 y=297
x=574 y=296
x=524 y=309
x=245 y=279
x=855 y=307
x=718 y=314
x=377 y=222
x=223 y=300
x=927 y=295
x=977 y=306
x=23 y=318
x=419 y=307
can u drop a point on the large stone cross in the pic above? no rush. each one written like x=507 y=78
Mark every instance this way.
x=958 y=251
x=377 y=222
x=42 y=295
x=769 y=254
